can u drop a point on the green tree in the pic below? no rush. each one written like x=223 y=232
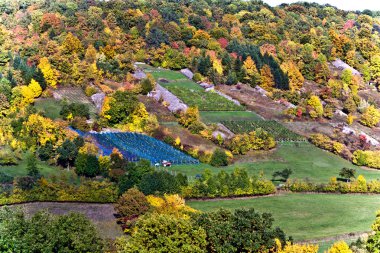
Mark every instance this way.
x=370 y=117
x=87 y=165
x=31 y=166
x=242 y=231
x=219 y=158
x=132 y=202
x=71 y=233
x=347 y=173
x=159 y=182
x=164 y=233
x=122 y=104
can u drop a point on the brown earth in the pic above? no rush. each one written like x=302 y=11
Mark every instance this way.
x=102 y=215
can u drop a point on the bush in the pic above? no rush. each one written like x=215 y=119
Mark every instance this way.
x=367 y=158
x=244 y=230
x=238 y=183
x=5 y=178
x=75 y=109
x=47 y=233
x=7 y=156
x=324 y=142
x=219 y=158
x=370 y=117
x=87 y=165
x=132 y=202
x=27 y=189
x=197 y=77
x=160 y=182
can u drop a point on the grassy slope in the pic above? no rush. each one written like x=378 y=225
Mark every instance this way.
x=49 y=106
x=306 y=161
x=215 y=117
x=20 y=169
x=309 y=216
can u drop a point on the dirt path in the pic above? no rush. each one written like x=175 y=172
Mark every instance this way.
x=344 y=237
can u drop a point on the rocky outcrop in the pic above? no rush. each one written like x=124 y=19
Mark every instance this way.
x=187 y=73
x=98 y=99
x=175 y=104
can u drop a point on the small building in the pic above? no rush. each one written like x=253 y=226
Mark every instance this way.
x=166 y=163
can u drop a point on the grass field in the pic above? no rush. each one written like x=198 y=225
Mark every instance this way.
x=306 y=161
x=218 y=116
x=309 y=216
x=49 y=107
x=278 y=131
x=206 y=101
x=164 y=73
x=20 y=169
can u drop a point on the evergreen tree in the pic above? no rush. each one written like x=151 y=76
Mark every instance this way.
x=31 y=166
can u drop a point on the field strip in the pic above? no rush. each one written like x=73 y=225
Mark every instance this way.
x=344 y=237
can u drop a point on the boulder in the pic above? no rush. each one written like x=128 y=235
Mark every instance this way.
x=187 y=72
x=98 y=99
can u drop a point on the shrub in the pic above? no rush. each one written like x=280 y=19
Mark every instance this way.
x=219 y=158
x=75 y=109
x=244 y=230
x=197 y=77
x=87 y=165
x=324 y=142
x=90 y=90
x=5 y=178
x=7 y=156
x=370 y=117
x=367 y=158
x=159 y=182
x=224 y=185
x=164 y=233
x=47 y=233
x=132 y=202
x=316 y=105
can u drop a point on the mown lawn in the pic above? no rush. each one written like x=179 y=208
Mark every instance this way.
x=309 y=216
x=306 y=161
x=49 y=107
x=164 y=73
x=218 y=116
x=20 y=169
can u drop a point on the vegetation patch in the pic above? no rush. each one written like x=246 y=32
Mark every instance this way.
x=304 y=159
x=274 y=128
x=308 y=216
x=219 y=116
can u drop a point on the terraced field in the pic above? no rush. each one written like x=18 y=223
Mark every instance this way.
x=278 y=131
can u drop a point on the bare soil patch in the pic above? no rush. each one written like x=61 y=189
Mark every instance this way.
x=102 y=215
x=254 y=101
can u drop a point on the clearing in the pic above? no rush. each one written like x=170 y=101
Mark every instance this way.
x=309 y=216
x=102 y=215
x=219 y=116
x=306 y=161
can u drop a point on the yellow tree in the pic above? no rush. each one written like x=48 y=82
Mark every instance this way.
x=90 y=55
x=252 y=74
x=296 y=78
x=50 y=74
x=339 y=247
x=267 y=80
x=37 y=130
x=72 y=44
x=316 y=105
x=370 y=117
x=27 y=94
x=36 y=88
x=217 y=65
